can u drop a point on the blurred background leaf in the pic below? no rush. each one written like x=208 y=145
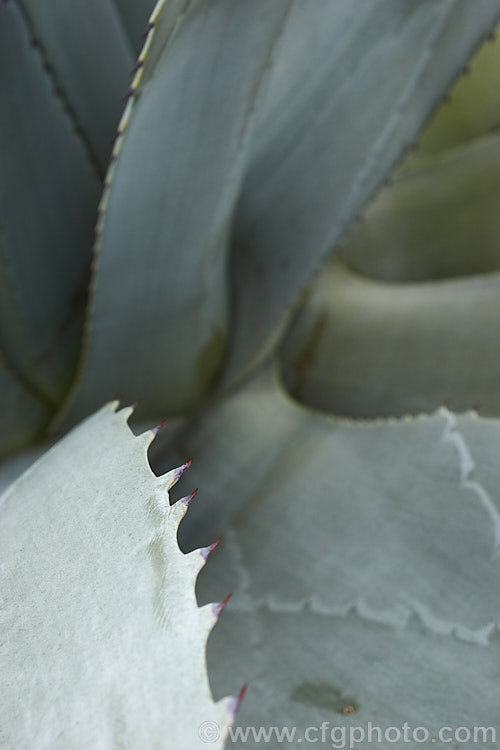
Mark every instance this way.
x=88 y=56
x=366 y=349
x=158 y=313
x=261 y=162
x=24 y=415
x=407 y=320
x=48 y=199
x=363 y=559
x=351 y=89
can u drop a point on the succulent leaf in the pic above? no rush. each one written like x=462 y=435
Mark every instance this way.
x=48 y=197
x=270 y=165
x=439 y=221
x=160 y=299
x=363 y=557
x=107 y=642
x=89 y=56
x=471 y=108
x=350 y=91
x=363 y=554
x=437 y=217
x=365 y=348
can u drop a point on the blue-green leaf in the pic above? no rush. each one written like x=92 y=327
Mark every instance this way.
x=352 y=87
x=364 y=560
x=368 y=348
x=48 y=198
x=89 y=57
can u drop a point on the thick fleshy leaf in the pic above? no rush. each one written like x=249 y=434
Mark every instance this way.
x=22 y=414
x=352 y=86
x=366 y=349
x=439 y=221
x=106 y=642
x=159 y=310
x=364 y=560
x=437 y=217
x=89 y=58
x=323 y=140
x=48 y=197
x=471 y=109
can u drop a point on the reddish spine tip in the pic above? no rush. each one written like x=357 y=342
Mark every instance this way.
x=220 y=606
x=180 y=471
x=241 y=696
x=207 y=551
x=236 y=702
x=157 y=429
x=173 y=476
x=187 y=500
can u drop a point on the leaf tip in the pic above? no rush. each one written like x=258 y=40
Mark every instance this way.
x=207 y=551
x=172 y=477
x=218 y=607
x=235 y=703
x=156 y=430
x=188 y=498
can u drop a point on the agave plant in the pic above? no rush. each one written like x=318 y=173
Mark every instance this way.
x=244 y=214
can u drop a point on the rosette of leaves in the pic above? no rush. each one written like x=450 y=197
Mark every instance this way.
x=163 y=248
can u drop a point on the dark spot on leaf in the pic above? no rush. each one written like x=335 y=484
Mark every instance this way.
x=324 y=695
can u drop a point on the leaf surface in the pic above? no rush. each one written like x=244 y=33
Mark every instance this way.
x=364 y=348
x=261 y=162
x=438 y=221
x=470 y=110
x=159 y=309
x=107 y=643
x=364 y=557
x=89 y=58
x=334 y=122
x=48 y=197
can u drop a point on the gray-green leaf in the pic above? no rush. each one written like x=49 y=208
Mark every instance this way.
x=366 y=348
x=364 y=559
x=106 y=644
x=278 y=120
x=48 y=198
